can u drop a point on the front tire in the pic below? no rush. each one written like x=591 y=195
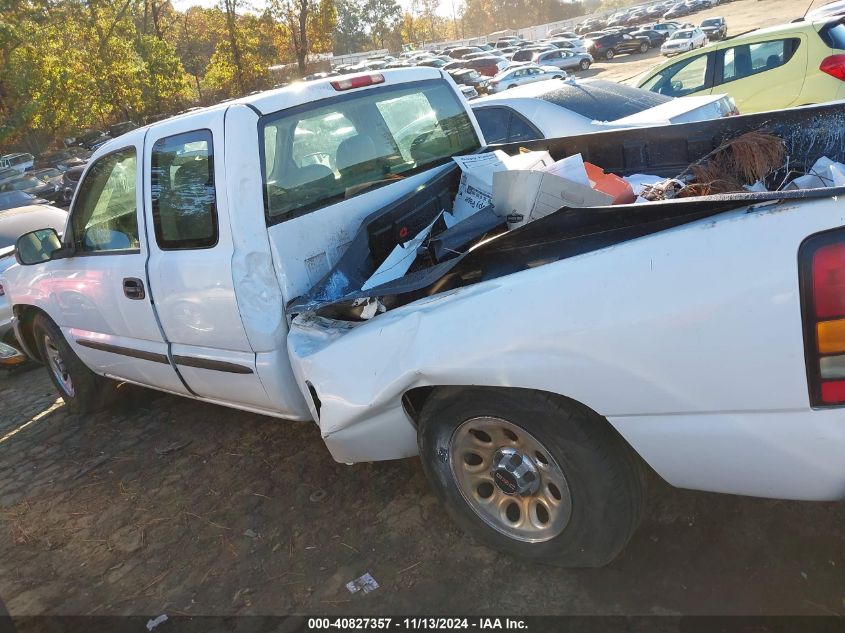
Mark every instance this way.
x=534 y=475
x=609 y=54
x=82 y=390
x=585 y=64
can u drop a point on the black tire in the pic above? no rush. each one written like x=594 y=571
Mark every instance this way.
x=511 y=86
x=585 y=64
x=605 y=479
x=609 y=54
x=644 y=47
x=88 y=392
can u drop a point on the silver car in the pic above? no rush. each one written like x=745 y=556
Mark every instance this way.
x=523 y=74
x=567 y=60
x=14 y=223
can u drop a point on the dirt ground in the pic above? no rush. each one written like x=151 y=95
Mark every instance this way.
x=741 y=16
x=165 y=505
x=170 y=506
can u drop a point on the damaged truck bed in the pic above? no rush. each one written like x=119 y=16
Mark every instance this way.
x=680 y=322
x=482 y=248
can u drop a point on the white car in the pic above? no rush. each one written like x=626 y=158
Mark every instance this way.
x=581 y=106
x=523 y=74
x=684 y=40
x=14 y=223
x=20 y=161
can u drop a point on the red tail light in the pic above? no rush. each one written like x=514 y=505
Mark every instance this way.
x=834 y=66
x=822 y=261
x=358 y=82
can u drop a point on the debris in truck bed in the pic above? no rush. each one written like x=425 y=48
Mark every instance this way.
x=824 y=173
x=740 y=161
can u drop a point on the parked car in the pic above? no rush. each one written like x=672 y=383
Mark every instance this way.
x=63 y=158
x=20 y=161
x=563 y=59
x=50 y=175
x=121 y=128
x=769 y=69
x=50 y=191
x=458 y=53
x=563 y=34
x=678 y=11
x=581 y=106
x=527 y=54
x=469 y=77
x=714 y=28
x=91 y=139
x=487 y=66
x=523 y=74
x=683 y=40
x=70 y=181
x=8 y=173
x=663 y=27
x=575 y=46
x=609 y=45
x=468 y=92
x=432 y=62
x=655 y=38
x=14 y=223
x=14 y=199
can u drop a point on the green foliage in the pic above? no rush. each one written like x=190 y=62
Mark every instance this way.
x=350 y=36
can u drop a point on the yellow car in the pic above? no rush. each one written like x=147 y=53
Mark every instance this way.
x=790 y=65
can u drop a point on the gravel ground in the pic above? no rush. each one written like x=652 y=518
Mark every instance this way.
x=164 y=505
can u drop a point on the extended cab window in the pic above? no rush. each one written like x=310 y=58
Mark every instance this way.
x=184 y=202
x=105 y=214
x=749 y=59
x=334 y=149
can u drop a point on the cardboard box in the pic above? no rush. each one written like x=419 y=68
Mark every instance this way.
x=523 y=196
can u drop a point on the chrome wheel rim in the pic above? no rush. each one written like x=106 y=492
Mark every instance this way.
x=57 y=366
x=530 y=502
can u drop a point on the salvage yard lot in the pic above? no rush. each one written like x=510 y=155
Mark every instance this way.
x=741 y=16
x=170 y=506
x=165 y=505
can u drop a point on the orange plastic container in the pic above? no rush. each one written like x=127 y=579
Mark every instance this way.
x=611 y=184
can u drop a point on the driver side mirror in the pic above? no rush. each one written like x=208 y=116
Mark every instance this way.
x=37 y=247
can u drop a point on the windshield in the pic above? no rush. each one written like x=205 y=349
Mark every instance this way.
x=333 y=149
x=11 y=199
x=682 y=35
x=711 y=22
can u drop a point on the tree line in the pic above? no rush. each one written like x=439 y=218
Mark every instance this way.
x=70 y=65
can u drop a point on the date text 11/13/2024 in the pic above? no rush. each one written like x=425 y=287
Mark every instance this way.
x=416 y=623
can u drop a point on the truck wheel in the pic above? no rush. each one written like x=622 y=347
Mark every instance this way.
x=82 y=390
x=609 y=54
x=585 y=64
x=533 y=475
x=643 y=47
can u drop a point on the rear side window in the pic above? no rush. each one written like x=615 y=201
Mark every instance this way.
x=184 y=201
x=503 y=125
x=833 y=34
x=743 y=61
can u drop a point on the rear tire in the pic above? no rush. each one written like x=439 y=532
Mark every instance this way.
x=82 y=390
x=644 y=47
x=587 y=488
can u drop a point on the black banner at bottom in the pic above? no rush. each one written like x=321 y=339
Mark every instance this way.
x=402 y=624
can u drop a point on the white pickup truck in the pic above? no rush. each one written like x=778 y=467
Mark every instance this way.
x=538 y=372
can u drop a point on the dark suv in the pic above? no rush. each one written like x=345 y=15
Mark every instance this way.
x=610 y=45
